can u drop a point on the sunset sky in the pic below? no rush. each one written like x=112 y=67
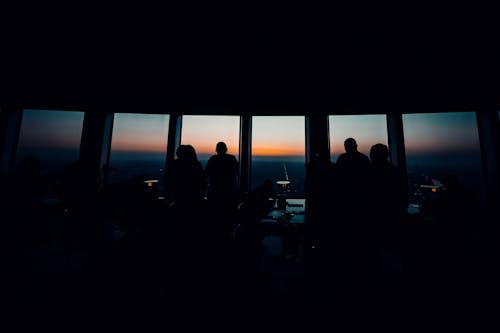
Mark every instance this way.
x=203 y=133
x=432 y=133
x=271 y=136
x=54 y=129
x=367 y=130
x=281 y=135
x=137 y=132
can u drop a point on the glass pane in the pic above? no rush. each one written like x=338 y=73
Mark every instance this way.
x=203 y=133
x=52 y=137
x=367 y=130
x=278 y=152
x=440 y=145
x=138 y=149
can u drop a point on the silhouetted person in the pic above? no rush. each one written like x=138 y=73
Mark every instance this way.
x=388 y=190
x=351 y=183
x=189 y=232
x=352 y=159
x=188 y=179
x=350 y=212
x=351 y=176
x=387 y=208
x=222 y=172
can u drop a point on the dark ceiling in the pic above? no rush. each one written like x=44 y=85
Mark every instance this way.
x=293 y=65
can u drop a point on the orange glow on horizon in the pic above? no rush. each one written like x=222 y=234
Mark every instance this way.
x=277 y=151
x=209 y=150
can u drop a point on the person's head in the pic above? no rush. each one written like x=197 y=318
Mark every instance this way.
x=186 y=153
x=379 y=154
x=221 y=148
x=350 y=145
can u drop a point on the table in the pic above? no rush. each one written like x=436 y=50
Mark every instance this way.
x=283 y=230
x=277 y=220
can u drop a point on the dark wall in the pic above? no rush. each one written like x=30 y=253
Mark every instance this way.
x=271 y=62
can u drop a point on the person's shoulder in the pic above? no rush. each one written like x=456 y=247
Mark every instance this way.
x=364 y=157
x=227 y=157
x=211 y=159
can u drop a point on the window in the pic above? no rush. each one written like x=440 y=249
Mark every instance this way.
x=278 y=152
x=367 y=130
x=138 y=149
x=203 y=133
x=53 y=138
x=441 y=145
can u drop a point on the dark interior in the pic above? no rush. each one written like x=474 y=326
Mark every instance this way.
x=270 y=70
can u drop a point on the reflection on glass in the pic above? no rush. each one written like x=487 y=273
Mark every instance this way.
x=440 y=147
x=138 y=149
x=52 y=137
x=278 y=153
x=203 y=133
x=367 y=130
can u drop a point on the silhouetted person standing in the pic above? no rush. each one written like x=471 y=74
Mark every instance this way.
x=351 y=210
x=387 y=207
x=186 y=214
x=352 y=171
x=188 y=180
x=222 y=172
x=388 y=195
x=352 y=159
x=387 y=187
